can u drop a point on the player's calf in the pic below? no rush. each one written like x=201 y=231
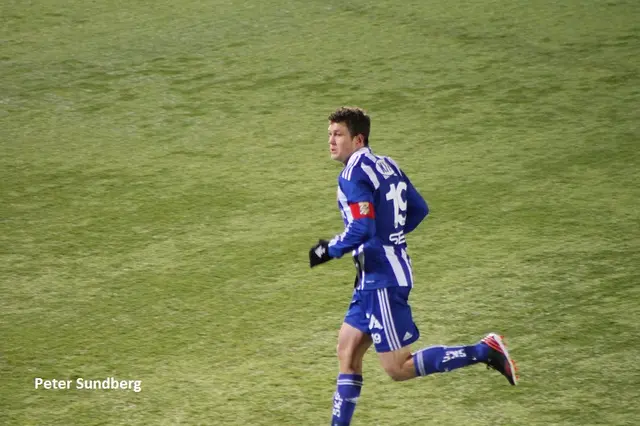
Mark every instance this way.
x=397 y=364
x=399 y=373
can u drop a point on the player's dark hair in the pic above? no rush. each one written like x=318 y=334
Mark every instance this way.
x=356 y=120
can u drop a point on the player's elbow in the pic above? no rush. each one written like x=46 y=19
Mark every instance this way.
x=419 y=212
x=423 y=209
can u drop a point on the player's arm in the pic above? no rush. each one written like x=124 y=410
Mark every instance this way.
x=363 y=226
x=359 y=196
x=417 y=208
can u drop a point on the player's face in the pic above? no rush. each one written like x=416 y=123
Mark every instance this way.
x=341 y=143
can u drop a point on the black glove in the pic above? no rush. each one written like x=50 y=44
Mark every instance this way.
x=319 y=253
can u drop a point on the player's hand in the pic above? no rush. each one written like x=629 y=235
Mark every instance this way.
x=319 y=253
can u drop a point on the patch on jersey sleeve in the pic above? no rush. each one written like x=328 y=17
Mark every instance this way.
x=362 y=209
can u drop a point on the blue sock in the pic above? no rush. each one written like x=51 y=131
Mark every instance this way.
x=438 y=359
x=345 y=398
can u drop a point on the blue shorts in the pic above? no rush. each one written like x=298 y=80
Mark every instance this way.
x=385 y=315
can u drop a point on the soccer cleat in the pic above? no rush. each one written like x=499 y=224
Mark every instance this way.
x=499 y=358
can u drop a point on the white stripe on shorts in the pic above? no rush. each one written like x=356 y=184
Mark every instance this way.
x=387 y=320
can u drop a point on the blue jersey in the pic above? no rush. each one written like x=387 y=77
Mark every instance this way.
x=379 y=206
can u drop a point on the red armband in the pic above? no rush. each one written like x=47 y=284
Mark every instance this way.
x=362 y=209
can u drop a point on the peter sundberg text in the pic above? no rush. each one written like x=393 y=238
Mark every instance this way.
x=89 y=384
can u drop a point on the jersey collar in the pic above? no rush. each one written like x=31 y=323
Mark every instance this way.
x=356 y=154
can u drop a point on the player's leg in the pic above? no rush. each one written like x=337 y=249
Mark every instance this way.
x=491 y=350
x=398 y=331
x=353 y=343
x=393 y=331
x=398 y=364
x=401 y=364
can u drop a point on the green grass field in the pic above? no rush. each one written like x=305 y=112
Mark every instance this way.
x=165 y=171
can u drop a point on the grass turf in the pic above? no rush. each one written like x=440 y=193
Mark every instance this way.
x=165 y=170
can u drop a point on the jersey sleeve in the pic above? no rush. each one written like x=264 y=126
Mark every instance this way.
x=359 y=194
x=417 y=208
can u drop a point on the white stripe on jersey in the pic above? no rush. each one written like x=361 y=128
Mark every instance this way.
x=372 y=175
x=387 y=320
x=371 y=157
x=353 y=160
x=394 y=164
x=342 y=199
x=340 y=237
x=408 y=262
x=395 y=265
x=361 y=261
x=346 y=173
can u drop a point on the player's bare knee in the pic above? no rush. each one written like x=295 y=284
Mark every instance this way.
x=348 y=359
x=345 y=353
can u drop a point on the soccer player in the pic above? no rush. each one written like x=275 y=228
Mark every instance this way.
x=380 y=206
